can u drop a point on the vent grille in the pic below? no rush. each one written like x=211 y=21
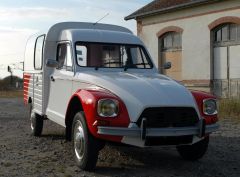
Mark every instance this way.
x=169 y=117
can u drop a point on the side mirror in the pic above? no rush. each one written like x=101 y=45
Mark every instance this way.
x=167 y=65
x=52 y=63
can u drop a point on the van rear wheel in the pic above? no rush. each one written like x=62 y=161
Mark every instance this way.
x=36 y=123
x=85 y=147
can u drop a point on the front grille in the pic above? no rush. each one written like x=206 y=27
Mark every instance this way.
x=169 y=117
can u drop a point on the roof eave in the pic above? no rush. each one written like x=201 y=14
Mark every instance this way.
x=170 y=9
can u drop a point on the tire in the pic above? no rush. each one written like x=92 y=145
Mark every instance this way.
x=195 y=151
x=36 y=123
x=85 y=147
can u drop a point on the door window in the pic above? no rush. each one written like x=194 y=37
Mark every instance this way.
x=172 y=41
x=64 y=57
x=38 y=54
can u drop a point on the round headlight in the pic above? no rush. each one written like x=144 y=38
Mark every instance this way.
x=107 y=108
x=210 y=107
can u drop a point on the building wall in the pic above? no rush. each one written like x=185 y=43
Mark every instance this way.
x=196 y=42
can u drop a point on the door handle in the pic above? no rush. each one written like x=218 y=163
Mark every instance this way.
x=37 y=81
x=52 y=79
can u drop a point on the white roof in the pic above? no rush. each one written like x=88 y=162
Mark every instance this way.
x=85 y=32
x=103 y=36
x=56 y=30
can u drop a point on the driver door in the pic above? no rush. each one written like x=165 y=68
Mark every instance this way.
x=61 y=84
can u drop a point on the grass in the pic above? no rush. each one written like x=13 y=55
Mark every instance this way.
x=11 y=94
x=7 y=164
x=229 y=108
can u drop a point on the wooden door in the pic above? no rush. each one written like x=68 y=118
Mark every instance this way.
x=175 y=57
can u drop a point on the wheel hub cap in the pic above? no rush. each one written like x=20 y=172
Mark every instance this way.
x=79 y=140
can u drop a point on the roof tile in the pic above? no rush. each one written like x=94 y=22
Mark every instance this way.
x=161 y=5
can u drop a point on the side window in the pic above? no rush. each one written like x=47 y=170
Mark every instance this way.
x=64 y=57
x=81 y=55
x=139 y=58
x=38 y=53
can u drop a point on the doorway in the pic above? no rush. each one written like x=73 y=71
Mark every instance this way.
x=226 y=60
x=171 y=51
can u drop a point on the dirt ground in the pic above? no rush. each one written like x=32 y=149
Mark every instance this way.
x=24 y=155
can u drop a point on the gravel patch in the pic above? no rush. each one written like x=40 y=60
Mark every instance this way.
x=50 y=155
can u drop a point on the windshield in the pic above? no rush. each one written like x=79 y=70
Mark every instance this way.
x=101 y=55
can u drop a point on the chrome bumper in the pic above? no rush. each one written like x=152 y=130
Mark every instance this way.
x=200 y=130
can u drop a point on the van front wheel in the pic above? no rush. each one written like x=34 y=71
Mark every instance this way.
x=195 y=151
x=85 y=146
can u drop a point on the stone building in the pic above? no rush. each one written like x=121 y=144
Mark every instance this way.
x=200 y=37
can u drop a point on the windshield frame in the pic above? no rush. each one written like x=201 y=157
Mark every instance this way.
x=150 y=63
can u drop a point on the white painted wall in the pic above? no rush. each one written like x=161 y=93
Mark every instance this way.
x=196 y=35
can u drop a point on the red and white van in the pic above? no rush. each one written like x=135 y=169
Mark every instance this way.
x=99 y=82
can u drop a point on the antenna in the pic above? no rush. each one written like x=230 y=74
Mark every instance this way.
x=101 y=19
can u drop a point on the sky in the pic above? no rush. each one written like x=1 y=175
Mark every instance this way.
x=19 y=19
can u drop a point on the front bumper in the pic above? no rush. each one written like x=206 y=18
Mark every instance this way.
x=200 y=130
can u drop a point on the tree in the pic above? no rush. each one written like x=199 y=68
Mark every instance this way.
x=5 y=84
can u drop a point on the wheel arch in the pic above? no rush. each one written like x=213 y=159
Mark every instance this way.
x=74 y=106
x=86 y=100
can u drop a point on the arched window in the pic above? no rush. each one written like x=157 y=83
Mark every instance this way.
x=226 y=34
x=171 y=41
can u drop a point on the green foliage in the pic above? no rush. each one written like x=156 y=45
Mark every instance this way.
x=5 y=84
x=229 y=107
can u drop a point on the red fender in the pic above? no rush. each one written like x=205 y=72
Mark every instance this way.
x=199 y=97
x=89 y=100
